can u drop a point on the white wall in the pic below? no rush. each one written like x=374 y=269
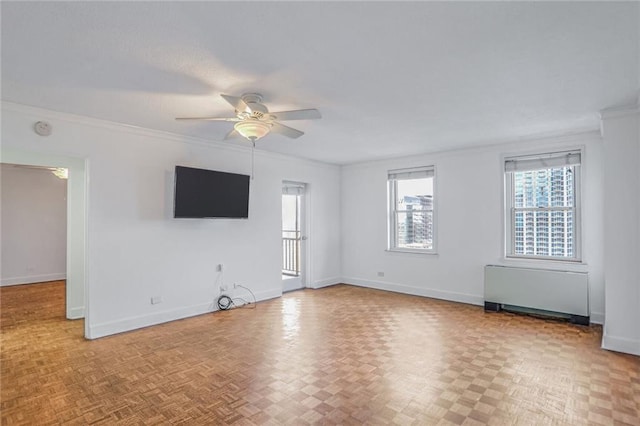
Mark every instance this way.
x=470 y=232
x=136 y=250
x=621 y=133
x=34 y=225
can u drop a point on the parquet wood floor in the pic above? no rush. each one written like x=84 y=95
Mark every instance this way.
x=340 y=355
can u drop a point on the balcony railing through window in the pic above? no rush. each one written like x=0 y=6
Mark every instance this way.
x=291 y=253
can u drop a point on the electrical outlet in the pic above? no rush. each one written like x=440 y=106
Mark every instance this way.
x=155 y=300
x=381 y=274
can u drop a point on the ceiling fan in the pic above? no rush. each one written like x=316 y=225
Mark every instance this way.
x=254 y=121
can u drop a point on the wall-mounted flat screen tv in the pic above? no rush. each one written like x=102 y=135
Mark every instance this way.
x=203 y=193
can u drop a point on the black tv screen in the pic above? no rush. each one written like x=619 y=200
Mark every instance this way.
x=203 y=193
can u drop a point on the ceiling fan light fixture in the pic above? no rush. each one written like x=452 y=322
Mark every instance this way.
x=252 y=129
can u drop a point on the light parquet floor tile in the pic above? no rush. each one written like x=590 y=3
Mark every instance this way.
x=340 y=355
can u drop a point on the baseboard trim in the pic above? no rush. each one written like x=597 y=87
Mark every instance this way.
x=75 y=313
x=597 y=318
x=620 y=344
x=417 y=291
x=133 y=323
x=268 y=294
x=326 y=282
x=32 y=279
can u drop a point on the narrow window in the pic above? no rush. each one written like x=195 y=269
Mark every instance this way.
x=411 y=210
x=542 y=194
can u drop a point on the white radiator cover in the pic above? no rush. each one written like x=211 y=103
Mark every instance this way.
x=556 y=291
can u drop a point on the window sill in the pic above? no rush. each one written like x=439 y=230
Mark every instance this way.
x=410 y=251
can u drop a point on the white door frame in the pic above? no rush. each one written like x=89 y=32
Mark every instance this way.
x=302 y=281
x=77 y=291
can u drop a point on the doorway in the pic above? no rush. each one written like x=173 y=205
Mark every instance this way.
x=294 y=236
x=34 y=224
x=76 y=286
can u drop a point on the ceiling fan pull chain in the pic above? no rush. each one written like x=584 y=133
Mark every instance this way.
x=253 y=148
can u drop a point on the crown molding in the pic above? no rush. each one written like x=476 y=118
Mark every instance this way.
x=569 y=137
x=619 y=111
x=153 y=133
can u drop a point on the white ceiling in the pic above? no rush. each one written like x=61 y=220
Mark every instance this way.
x=390 y=78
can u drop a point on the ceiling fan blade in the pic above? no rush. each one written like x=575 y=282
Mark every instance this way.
x=232 y=135
x=209 y=118
x=286 y=130
x=237 y=103
x=299 y=114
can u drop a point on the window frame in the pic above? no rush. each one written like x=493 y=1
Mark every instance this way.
x=392 y=213
x=510 y=209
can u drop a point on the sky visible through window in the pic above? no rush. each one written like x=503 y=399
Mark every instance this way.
x=415 y=187
x=290 y=220
x=414 y=213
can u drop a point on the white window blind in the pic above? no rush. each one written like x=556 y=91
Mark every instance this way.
x=544 y=161
x=293 y=188
x=406 y=174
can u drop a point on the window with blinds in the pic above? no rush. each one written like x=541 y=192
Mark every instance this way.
x=542 y=194
x=411 y=210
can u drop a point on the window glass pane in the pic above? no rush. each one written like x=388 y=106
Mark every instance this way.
x=415 y=229
x=290 y=219
x=562 y=233
x=411 y=209
x=529 y=233
x=543 y=233
x=542 y=205
x=541 y=230
x=414 y=194
x=544 y=188
x=519 y=233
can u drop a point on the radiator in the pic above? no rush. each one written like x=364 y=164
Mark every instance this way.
x=560 y=292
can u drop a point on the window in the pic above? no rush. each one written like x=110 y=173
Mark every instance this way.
x=543 y=206
x=411 y=218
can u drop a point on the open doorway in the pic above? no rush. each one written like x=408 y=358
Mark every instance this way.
x=34 y=224
x=294 y=236
x=76 y=289
x=34 y=243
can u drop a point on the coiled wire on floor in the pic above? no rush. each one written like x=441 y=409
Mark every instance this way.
x=226 y=302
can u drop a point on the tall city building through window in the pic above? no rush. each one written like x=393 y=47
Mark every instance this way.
x=543 y=211
x=411 y=210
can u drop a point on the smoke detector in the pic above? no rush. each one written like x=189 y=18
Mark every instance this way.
x=42 y=128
